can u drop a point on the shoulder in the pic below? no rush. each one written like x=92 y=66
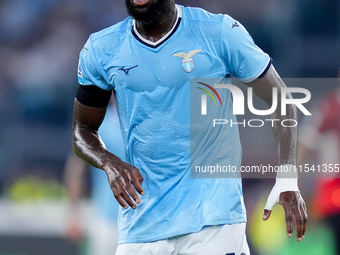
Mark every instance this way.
x=208 y=21
x=199 y=15
x=112 y=34
x=195 y=14
x=206 y=26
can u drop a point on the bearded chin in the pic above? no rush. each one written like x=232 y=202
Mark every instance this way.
x=152 y=14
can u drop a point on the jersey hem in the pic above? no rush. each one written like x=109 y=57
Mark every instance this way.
x=182 y=232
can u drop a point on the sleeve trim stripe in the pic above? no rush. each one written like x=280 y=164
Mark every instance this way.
x=262 y=73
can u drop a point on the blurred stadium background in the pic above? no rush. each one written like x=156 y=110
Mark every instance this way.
x=39 y=45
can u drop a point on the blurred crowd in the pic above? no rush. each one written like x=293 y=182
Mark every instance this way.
x=40 y=42
x=39 y=46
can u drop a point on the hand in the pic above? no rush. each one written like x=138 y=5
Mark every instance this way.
x=295 y=210
x=124 y=179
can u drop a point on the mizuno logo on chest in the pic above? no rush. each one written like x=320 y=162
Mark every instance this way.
x=126 y=70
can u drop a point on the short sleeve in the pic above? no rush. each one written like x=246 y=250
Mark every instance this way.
x=89 y=71
x=244 y=59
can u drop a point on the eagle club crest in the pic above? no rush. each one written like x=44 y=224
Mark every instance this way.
x=187 y=61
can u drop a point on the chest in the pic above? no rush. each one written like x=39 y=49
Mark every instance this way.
x=138 y=67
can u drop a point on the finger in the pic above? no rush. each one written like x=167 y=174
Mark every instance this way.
x=127 y=198
x=266 y=214
x=289 y=220
x=299 y=225
x=272 y=200
x=119 y=198
x=137 y=186
x=304 y=224
x=132 y=193
x=139 y=176
x=137 y=181
x=304 y=216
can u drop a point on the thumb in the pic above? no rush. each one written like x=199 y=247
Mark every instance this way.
x=272 y=200
x=266 y=214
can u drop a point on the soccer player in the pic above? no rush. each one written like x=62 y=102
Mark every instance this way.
x=148 y=60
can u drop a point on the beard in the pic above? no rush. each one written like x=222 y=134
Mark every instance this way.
x=151 y=14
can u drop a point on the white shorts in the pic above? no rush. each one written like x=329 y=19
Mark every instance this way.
x=212 y=240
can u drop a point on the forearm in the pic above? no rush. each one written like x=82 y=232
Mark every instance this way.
x=286 y=135
x=86 y=141
x=88 y=145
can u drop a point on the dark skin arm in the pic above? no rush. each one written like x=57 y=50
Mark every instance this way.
x=286 y=138
x=87 y=144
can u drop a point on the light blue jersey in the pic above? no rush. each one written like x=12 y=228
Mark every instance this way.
x=152 y=91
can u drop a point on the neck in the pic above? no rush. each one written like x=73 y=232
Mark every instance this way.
x=153 y=31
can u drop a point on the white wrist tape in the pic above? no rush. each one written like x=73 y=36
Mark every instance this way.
x=286 y=180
